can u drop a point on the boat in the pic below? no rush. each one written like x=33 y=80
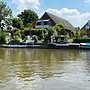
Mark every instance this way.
x=85 y=45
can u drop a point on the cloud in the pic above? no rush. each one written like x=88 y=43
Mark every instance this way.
x=87 y=1
x=25 y=4
x=74 y=16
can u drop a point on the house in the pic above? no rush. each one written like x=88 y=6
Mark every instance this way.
x=86 y=26
x=86 y=29
x=55 y=20
x=49 y=19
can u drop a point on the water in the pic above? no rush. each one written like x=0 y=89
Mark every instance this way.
x=41 y=69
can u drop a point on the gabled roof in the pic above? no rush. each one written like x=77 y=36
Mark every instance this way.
x=87 y=25
x=57 y=19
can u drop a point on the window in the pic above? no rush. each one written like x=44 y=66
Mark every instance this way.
x=39 y=23
x=46 y=23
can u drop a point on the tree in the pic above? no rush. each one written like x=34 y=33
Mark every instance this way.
x=49 y=33
x=78 y=34
x=17 y=23
x=5 y=12
x=60 y=32
x=28 y=16
x=59 y=28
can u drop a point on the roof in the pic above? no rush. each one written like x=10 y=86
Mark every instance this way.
x=57 y=19
x=87 y=25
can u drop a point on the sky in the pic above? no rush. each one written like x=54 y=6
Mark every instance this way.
x=77 y=12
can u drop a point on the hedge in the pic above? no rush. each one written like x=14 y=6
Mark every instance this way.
x=82 y=40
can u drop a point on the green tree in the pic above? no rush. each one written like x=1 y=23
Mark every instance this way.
x=28 y=16
x=59 y=28
x=59 y=32
x=78 y=34
x=48 y=34
x=5 y=12
x=17 y=23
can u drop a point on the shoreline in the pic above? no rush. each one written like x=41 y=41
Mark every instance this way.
x=49 y=46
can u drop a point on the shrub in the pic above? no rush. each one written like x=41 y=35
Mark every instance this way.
x=2 y=37
x=82 y=40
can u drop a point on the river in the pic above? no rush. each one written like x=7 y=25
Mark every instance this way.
x=44 y=69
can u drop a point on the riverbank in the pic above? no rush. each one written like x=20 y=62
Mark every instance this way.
x=51 y=46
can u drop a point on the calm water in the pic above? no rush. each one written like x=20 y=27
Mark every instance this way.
x=40 y=69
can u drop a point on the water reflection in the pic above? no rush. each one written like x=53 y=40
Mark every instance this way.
x=25 y=69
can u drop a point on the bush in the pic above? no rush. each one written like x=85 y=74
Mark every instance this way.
x=16 y=40
x=81 y=40
x=2 y=37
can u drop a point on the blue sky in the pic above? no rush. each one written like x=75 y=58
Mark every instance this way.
x=76 y=12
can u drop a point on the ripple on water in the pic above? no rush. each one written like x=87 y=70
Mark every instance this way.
x=42 y=69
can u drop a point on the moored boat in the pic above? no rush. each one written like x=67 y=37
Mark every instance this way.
x=85 y=45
